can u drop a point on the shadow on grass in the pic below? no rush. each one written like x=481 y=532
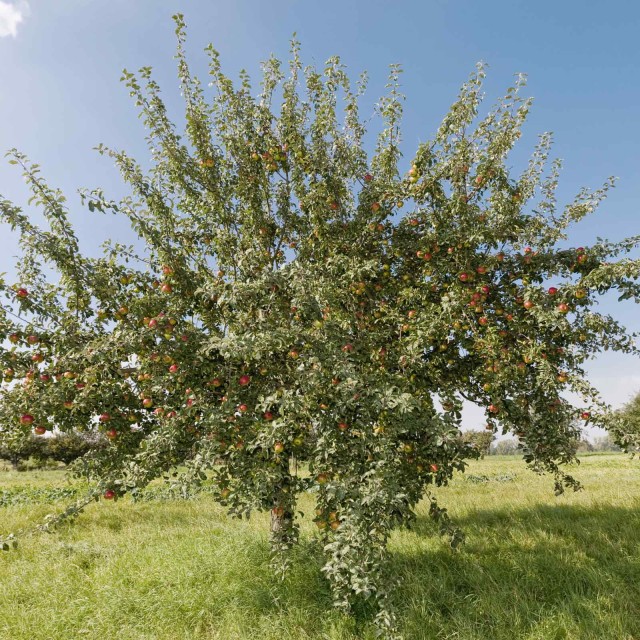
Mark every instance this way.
x=541 y=573
x=544 y=572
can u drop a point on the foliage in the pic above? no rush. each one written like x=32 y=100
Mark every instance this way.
x=60 y=447
x=584 y=445
x=630 y=414
x=605 y=443
x=70 y=446
x=280 y=312
x=27 y=495
x=506 y=447
x=480 y=440
x=20 y=448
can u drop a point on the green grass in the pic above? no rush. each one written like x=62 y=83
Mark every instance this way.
x=534 y=566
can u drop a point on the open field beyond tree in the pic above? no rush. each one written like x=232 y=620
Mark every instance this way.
x=534 y=566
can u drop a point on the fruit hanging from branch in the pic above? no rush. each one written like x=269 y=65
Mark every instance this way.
x=283 y=313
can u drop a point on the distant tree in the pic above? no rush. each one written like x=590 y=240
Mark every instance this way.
x=584 y=445
x=630 y=415
x=506 y=447
x=480 y=440
x=20 y=447
x=67 y=447
x=605 y=443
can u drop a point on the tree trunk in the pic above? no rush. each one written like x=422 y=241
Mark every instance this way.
x=281 y=520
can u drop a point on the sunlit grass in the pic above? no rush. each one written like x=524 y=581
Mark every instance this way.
x=534 y=566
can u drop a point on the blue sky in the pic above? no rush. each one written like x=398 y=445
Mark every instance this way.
x=60 y=64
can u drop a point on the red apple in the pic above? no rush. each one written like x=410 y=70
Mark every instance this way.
x=27 y=419
x=112 y=434
x=553 y=291
x=68 y=404
x=109 y=494
x=22 y=293
x=268 y=415
x=166 y=288
x=563 y=308
x=33 y=339
x=174 y=368
x=147 y=403
x=105 y=417
x=243 y=408
x=585 y=415
x=368 y=177
x=528 y=304
x=14 y=337
x=433 y=468
x=343 y=426
x=463 y=277
x=39 y=431
x=243 y=381
x=278 y=447
x=347 y=348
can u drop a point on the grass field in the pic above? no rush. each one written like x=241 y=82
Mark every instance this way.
x=534 y=566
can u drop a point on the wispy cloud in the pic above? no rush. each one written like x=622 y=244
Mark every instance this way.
x=11 y=15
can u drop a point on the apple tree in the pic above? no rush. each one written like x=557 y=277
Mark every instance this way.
x=301 y=311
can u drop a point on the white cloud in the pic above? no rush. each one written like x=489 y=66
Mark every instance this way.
x=11 y=15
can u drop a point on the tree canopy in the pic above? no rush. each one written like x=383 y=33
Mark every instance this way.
x=302 y=314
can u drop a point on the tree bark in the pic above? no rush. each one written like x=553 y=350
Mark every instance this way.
x=281 y=520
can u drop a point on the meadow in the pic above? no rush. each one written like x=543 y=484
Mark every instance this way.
x=534 y=566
